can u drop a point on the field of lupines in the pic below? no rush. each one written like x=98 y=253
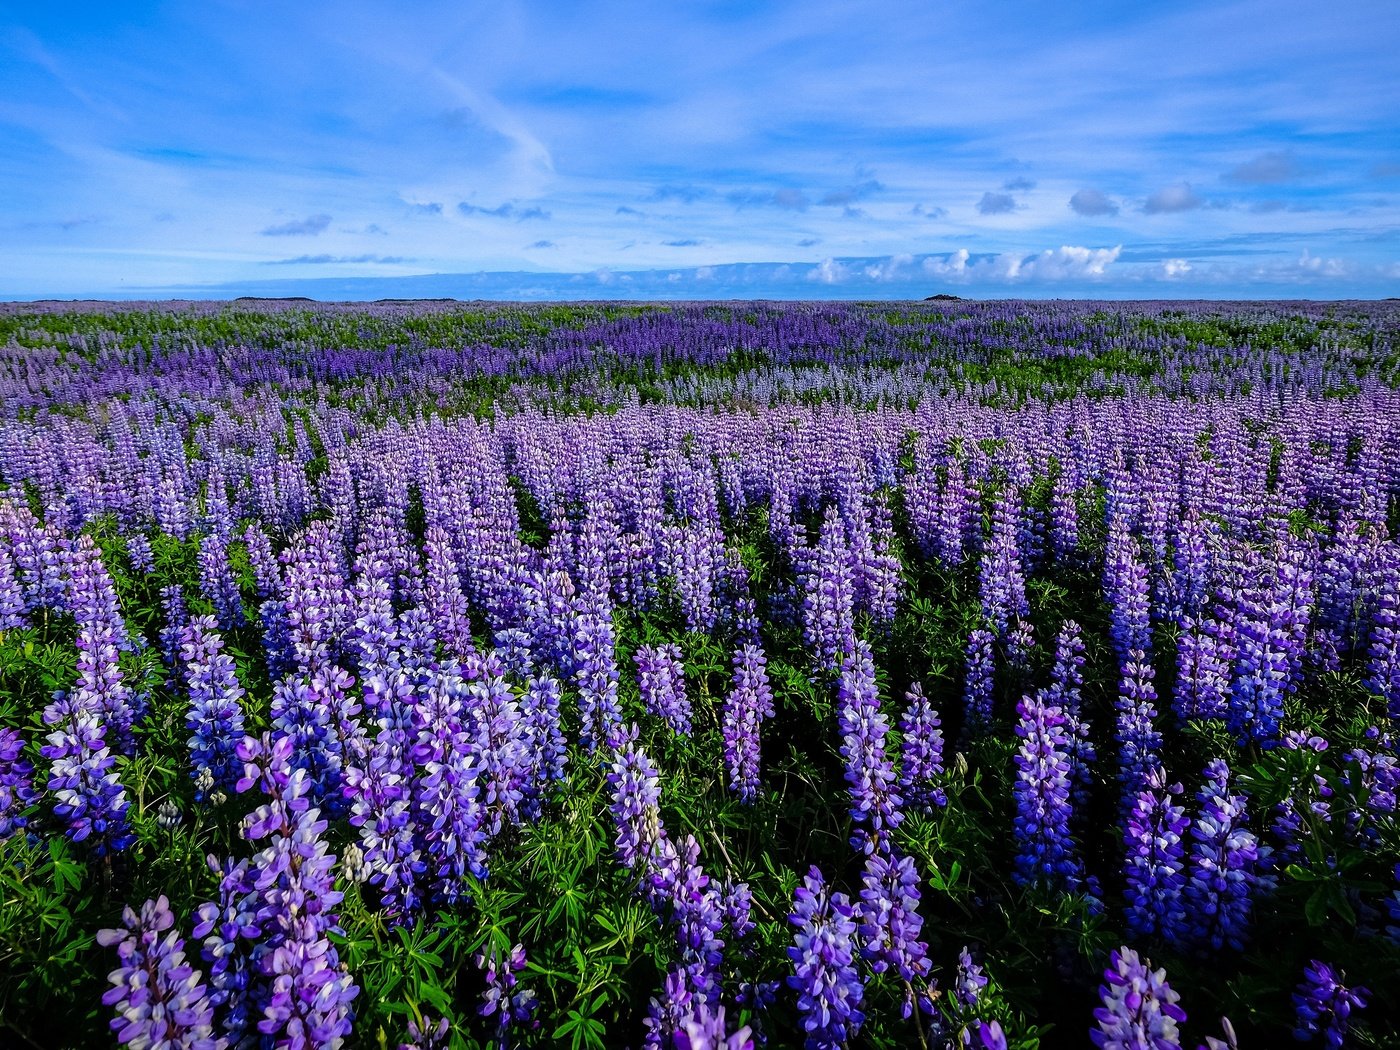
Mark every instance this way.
x=709 y=676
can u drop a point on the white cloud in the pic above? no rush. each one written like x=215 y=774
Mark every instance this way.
x=1068 y=262
x=1174 y=268
x=953 y=265
x=1180 y=197
x=828 y=271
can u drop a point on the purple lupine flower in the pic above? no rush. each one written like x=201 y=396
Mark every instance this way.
x=636 y=800
x=1045 y=849
x=990 y=1035
x=446 y=793
x=1383 y=658
x=1002 y=578
x=1125 y=589
x=1066 y=690
x=11 y=593
x=890 y=922
x=1154 y=860
x=749 y=703
x=88 y=797
x=703 y=1028
x=661 y=681
x=16 y=783
x=921 y=752
x=1138 y=738
x=596 y=661
x=215 y=718
x=823 y=953
x=540 y=709
x=1323 y=1004
x=511 y=1007
x=305 y=995
x=970 y=980
x=828 y=603
x=681 y=893
x=1223 y=867
x=217 y=581
x=101 y=635
x=319 y=715
x=229 y=928
x=160 y=999
x=1139 y=1010
x=977 y=692
x=1020 y=645
x=1203 y=672
x=870 y=771
x=428 y=1035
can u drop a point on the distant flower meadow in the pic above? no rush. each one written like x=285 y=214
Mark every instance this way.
x=947 y=675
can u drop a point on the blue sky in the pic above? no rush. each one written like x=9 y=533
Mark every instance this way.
x=700 y=150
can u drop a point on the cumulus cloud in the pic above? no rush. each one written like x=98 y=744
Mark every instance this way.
x=952 y=265
x=1274 y=166
x=928 y=213
x=1020 y=182
x=787 y=199
x=828 y=271
x=890 y=269
x=1322 y=267
x=1180 y=197
x=996 y=203
x=322 y=260
x=426 y=207
x=1174 y=268
x=1064 y=263
x=1091 y=202
x=307 y=227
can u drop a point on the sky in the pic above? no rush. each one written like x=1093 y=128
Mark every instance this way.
x=747 y=149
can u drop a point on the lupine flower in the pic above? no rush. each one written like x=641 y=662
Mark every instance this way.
x=16 y=783
x=88 y=797
x=1138 y=739
x=1125 y=588
x=427 y=1036
x=890 y=922
x=215 y=718
x=869 y=769
x=661 y=680
x=1222 y=869
x=921 y=751
x=1002 y=579
x=823 y=953
x=636 y=798
x=1139 y=1010
x=1153 y=864
x=977 y=693
x=512 y=1008
x=970 y=980
x=1045 y=849
x=828 y=605
x=703 y=1028
x=1323 y=1004
x=749 y=703
x=161 y=1001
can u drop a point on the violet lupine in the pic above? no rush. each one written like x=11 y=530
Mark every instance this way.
x=11 y=593
x=749 y=703
x=635 y=800
x=1002 y=578
x=823 y=953
x=16 y=783
x=160 y=1000
x=446 y=793
x=828 y=603
x=215 y=718
x=217 y=581
x=318 y=714
x=308 y=994
x=703 y=1027
x=1383 y=658
x=101 y=635
x=511 y=1007
x=661 y=681
x=88 y=797
x=427 y=1036
x=1126 y=591
x=682 y=894
x=890 y=922
x=990 y=1035
x=1324 y=1005
x=870 y=773
x=1066 y=690
x=978 y=688
x=1203 y=672
x=502 y=742
x=1045 y=849
x=1139 y=1010
x=1154 y=860
x=921 y=752
x=970 y=980
x=540 y=709
x=1138 y=739
x=1223 y=867
x=596 y=674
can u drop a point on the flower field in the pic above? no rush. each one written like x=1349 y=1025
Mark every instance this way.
x=700 y=676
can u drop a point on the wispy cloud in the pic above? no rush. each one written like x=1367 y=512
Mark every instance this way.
x=1270 y=167
x=307 y=227
x=325 y=260
x=786 y=199
x=686 y=243
x=850 y=194
x=504 y=211
x=1020 y=182
x=542 y=244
